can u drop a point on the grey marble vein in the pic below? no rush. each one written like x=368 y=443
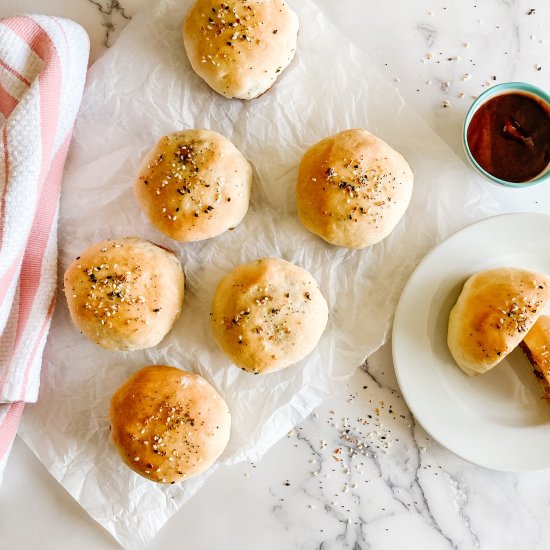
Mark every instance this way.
x=427 y=510
x=365 y=368
x=111 y=12
x=429 y=33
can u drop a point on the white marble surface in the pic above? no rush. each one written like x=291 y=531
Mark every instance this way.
x=391 y=487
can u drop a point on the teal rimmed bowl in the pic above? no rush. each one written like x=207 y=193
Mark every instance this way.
x=499 y=89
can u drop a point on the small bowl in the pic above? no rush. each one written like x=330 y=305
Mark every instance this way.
x=504 y=88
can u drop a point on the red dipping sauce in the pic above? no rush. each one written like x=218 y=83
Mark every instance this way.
x=509 y=136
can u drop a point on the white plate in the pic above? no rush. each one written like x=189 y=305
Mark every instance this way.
x=498 y=419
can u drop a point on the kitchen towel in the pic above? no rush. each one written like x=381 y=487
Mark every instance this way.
x=43 y=63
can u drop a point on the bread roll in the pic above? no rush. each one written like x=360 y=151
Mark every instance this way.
x=168 y=425
x=353 y=189
x=536 y=346
x=494 y=311
x=194 y=185
x=240 y=48
x=125 y=294
x=268 y=315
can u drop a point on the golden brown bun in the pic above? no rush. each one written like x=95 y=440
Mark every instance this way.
x=353 y=189
x=194 y=185
x=125 y=294
x=268 y=315
x=494 y=311
x=240 y=47
x=536 y=346
x=167 y=424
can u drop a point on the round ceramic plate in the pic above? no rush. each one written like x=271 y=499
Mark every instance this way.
x=497 y=420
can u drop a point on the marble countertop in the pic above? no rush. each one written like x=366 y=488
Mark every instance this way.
x=359 y=473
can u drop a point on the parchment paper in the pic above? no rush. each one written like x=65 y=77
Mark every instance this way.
x=143 y=88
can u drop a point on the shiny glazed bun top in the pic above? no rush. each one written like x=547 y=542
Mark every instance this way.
x=240 y=47
x=194 y=185
x=353 y=189
x=268 y=315
x=494 y=312
x=125 y=294
x=168 y=424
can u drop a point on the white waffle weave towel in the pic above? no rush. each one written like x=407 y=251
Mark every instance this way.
x=43 y=63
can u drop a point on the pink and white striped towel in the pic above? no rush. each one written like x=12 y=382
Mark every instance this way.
x=43 y=63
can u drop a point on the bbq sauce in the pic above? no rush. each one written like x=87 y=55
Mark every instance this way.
x=509 y=137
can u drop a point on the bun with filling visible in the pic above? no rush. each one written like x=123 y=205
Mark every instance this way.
x=536 y=346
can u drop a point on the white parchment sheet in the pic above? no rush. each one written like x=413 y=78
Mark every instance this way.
x=144 y=88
